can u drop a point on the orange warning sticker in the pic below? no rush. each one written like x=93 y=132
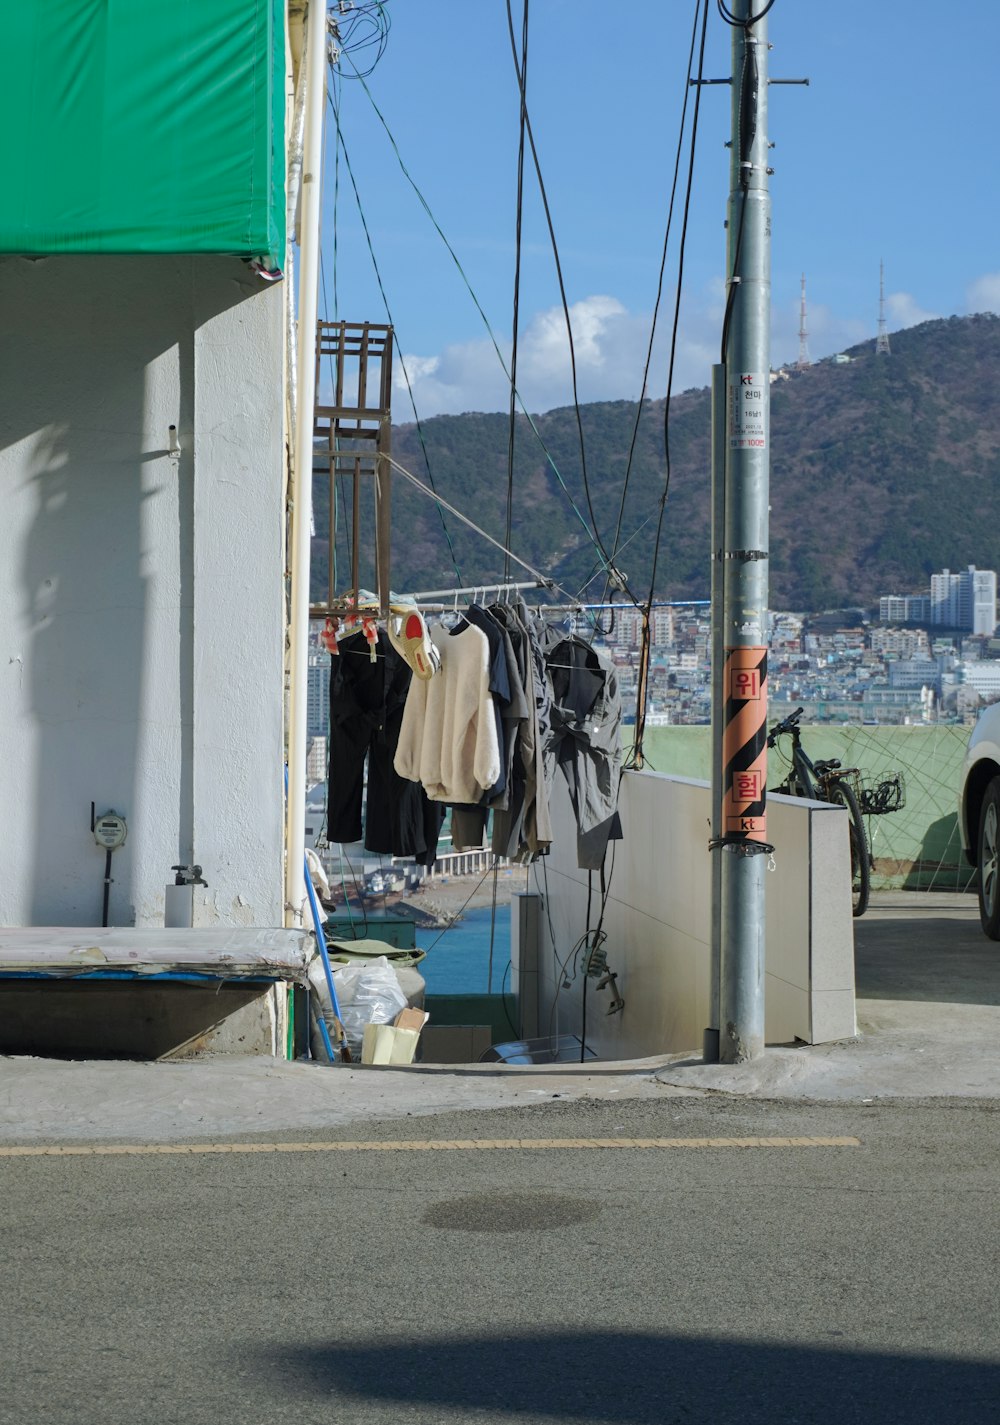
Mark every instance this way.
x=744 y=747
x=742 y=674
x=748 y=786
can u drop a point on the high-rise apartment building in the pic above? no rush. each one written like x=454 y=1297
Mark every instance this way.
x=904 y=608
x=966 y=600
x=318 y=703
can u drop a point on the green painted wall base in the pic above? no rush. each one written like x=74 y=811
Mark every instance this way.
x=917 y=848
x=477 y=1009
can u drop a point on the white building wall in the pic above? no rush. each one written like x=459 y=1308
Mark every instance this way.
x=984 y=600
x=984 y=677
x=141 y=593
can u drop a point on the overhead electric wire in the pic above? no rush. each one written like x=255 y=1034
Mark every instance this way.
x=746 y=108
x=515 y=323
x=737 y=23
x=615 y=548
x=335 y=100
x=520 y=70
x=486 y=321
x=543 y=579
x=402 y=363
x=334 y=482
x=636 y=755
x=371 y=18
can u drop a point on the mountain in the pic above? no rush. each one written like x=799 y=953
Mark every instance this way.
x=883 y=470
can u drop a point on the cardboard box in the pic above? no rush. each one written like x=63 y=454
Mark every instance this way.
x=385 y=1044
x=411 y=1019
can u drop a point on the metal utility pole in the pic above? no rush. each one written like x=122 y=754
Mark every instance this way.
x=741 y=839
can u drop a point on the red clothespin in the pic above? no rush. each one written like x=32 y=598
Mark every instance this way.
x=328 y=637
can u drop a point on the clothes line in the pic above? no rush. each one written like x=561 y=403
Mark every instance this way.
x=542 y=579
x=483 y=589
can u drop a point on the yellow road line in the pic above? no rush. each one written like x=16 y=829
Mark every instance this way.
x=415 y=1145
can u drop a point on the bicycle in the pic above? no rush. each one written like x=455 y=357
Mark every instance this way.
x=827 y=781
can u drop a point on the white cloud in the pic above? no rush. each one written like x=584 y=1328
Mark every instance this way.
x=610 y=345
x=983 y=295
x=902 y=311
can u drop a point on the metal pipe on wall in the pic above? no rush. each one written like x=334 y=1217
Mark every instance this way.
x=314 y=62
x=295 y=159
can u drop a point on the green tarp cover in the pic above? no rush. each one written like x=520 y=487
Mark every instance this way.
x=141 y=126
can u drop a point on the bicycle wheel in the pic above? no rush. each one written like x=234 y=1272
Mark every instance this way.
x=843 y=793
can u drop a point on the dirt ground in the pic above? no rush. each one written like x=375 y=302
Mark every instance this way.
x=451 y=893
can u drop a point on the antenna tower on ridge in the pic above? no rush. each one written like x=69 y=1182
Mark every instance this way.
x=803 y=360
x=882 y=340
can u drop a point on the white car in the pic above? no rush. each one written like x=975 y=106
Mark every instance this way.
x=979 y=813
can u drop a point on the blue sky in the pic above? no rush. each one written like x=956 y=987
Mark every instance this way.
x=890 y=153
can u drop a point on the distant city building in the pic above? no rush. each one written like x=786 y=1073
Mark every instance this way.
x=663 y=626
x=316 y=759
x=627 y=625
x=900 y=642
x=318 y=701
x=916 y=673
x=967 y=600
x=984 y=678
x=904 y=608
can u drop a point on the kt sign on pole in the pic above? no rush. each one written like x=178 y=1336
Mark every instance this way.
x=744 y=748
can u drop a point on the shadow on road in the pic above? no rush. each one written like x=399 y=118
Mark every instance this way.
x=637 y=1379
x=942 y=959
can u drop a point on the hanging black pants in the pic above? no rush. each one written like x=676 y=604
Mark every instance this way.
x=366 y=711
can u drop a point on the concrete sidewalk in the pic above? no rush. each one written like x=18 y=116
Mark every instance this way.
x=928 y=1017
x=928 y=1008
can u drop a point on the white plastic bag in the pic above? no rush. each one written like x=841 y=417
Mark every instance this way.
x=368 y=992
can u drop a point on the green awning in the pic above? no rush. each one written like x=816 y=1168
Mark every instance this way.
x=143 y=126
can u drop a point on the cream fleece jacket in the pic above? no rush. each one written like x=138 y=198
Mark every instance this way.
x=448 y=739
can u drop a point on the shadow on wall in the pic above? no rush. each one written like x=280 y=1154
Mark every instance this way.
x=941 y=865
x=102 y=541
x=85 y=607
x=635 y=1378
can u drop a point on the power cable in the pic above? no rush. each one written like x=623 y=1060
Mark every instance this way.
x=457 y=916
x=517 y=290
x=543 y=579
x=335 y=99
x=402 y=363
x=746 y=109
x=486 y=321
x=521 y=70
x=493 y=927
x=615 y=549
x=737 y=23
x=359 y=25
x=636 y=755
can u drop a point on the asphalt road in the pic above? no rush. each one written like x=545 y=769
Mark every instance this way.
x=753 y=1284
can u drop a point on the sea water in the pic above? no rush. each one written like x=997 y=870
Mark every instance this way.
x=457 y=961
